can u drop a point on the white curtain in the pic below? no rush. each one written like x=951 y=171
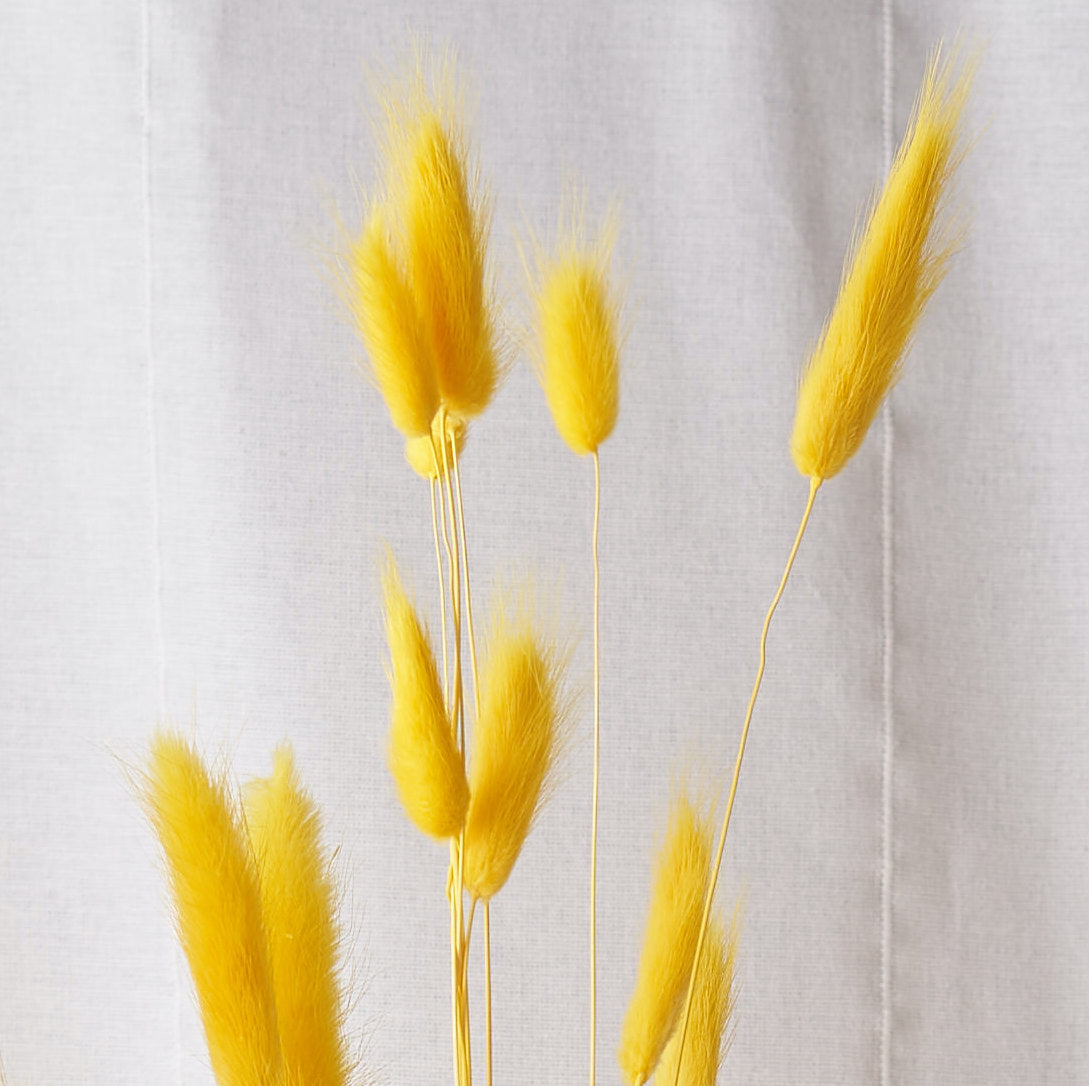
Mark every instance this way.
x=195 y=484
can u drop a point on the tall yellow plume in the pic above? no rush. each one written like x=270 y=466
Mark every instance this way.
x=712 y=1009
x=516 y=744
x=397 y=342
x=217 y=903
x=898 y=262
x=578 y=330
x=443 y=223
x=299 y=905
x=423 y=756
x=669 y=941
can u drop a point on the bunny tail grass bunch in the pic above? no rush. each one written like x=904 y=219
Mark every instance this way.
x=473 y=744
x=256 y=914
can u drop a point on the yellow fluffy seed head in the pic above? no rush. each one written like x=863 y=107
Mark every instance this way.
x=577 y=315
x=423 y=757
x=669 y=941
x=217 y=903
x=399 y=348
x=299 y=905
x=712 y=1009
x=899 y=260
x=517 y=740
x=420 y=452
x=443 y=225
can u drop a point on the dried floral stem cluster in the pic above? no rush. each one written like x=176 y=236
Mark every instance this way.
x=256 y=911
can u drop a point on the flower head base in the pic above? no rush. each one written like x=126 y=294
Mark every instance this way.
x=899 y=260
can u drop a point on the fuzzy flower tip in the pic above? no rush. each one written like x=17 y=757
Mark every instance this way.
x=442 y=220
x=712 y=1009
x=578 y=330
x=217 y=903
x=299 y=904
x=423 y=756
x=384 y=309
x=669 y=941
x=899 y=260
x=516 y=744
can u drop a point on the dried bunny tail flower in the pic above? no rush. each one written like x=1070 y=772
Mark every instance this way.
x=392 y=330
x=217 y=904
x=299 y=904
x=420 y=452
x=443 y=220
x=517 y=742
x=899 y=260
x=669 y=941
x=716 y=995
x=424 y=759
x=578 y=332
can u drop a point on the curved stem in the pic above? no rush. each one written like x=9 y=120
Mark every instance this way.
x=814 y=486
x=593 y=814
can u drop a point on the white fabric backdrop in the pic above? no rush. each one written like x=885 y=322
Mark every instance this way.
x=195 y=482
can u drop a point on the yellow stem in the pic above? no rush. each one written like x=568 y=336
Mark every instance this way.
x=593 y=815
x=488 y=984
x=814 y=486
x=461 y=1007
x=442 y=580
x=447 y=692
x=465 y=569
x=455 y=589
x=455 y=965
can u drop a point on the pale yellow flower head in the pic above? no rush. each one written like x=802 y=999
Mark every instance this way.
x=217 y=906
x=899 y=260
x=577 y=317
x=681 y=874
x=442 y=220
x=424 y=760
x=384 y=308
x=299 y=905
x=517 y=741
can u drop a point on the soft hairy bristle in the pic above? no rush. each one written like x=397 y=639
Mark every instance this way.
x=578 y=329
x=712 y=1009
x=516 y=743
x=443 y=223
x=396 y=339
x=299 y=905
x=899 y=260
x=217 y=903
x=669 y=941
x=423 y=756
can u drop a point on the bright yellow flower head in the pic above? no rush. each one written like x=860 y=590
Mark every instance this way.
x=577 y=316
x=899 y=261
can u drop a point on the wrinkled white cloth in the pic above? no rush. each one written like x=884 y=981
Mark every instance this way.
x=195 y=484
